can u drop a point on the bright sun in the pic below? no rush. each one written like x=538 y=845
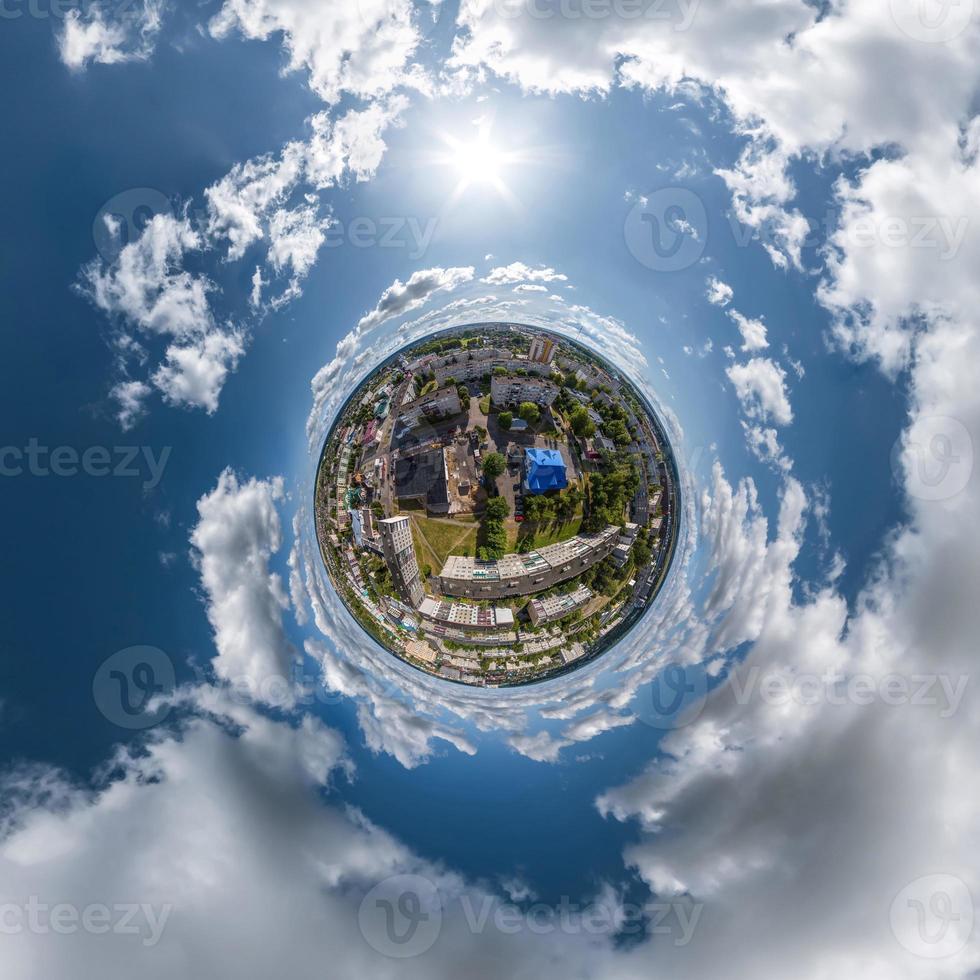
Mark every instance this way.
x=479 y=162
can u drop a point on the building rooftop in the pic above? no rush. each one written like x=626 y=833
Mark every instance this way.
x=516 y=565
x=545 y=470
x=466 y=615
x=422 y=475
x=569 y=601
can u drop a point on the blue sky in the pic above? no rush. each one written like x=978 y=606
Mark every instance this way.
x=822 y=556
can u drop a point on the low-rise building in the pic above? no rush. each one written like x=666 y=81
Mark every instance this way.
x=512 y=389
x=558 y=606
x=517 y=574
x=621 y=554
x=629 y=534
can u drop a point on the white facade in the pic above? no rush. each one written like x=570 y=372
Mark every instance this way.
x=513 y=389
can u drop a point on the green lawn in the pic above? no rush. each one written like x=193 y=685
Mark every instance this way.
x=436 y=539
x=545 y=533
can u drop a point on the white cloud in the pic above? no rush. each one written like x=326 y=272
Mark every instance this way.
x=403 y=297
x=295 y=237
x=761 y=388
x=147 y=284
x=719 y=293
x=109 y=37
x=193 y=373
x=753 y=331
x=130 y=396
x=527 y=287
x=519 y=272
x=361 y=48
x=764 y=444
x=237 y=534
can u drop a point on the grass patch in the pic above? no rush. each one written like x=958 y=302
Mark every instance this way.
x=437 y=539
x=544 y=534
x=485 y=405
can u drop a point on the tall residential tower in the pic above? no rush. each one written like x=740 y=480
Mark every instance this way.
x=399 y=552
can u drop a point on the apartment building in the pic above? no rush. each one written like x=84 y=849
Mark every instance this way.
x=512 y=389
x=515 y=575
x=399 y=554
x=555 y=607
x=434 y=405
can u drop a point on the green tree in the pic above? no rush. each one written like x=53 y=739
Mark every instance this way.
x=529 y=412
x=505 y=420
x=493 y=465
x=582 y=425
x=497 y=509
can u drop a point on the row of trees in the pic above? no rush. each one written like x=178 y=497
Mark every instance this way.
x=492 y=539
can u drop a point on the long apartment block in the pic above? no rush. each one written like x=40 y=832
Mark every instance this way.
x=515 y=575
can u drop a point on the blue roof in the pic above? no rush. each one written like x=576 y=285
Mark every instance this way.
x=545 y=470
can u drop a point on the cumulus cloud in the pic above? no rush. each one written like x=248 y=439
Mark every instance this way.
x=719 y=293
x=193 y=374
x=363 y=49
x=267 y=199
x=753 y=331
x=106 y=36
x=763 y=443
x=519 y=272
x=237 y=533
x=403 y=297
x=761 y=388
